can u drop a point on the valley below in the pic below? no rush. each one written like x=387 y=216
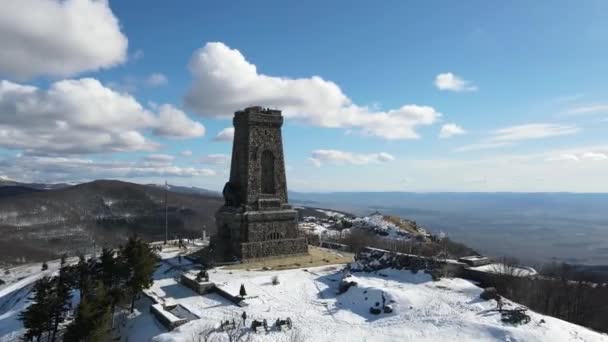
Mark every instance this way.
x=535 y=228
x=40 y=222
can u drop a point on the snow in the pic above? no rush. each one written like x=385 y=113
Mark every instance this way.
x=11 y=304
x=321 y=227
x=377 y=222
x=26 y=219
x=168 y=315
x=520 y=271
x=22 y=276
x=423 y=310
x=318 y=228
x=141 y=325
x=108 y=202
x=14 y=296
x=474 y=258
x=330 y=213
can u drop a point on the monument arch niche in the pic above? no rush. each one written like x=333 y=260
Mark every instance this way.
x=256 y=220
x=268 y=161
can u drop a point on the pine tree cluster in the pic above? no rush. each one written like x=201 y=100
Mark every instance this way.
x=104 y=284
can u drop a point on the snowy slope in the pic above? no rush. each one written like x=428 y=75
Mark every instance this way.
x=15 y=293
x=331 y=213
x=375 y=223
x=378 y=223
x=423 y=310
x=447 y=310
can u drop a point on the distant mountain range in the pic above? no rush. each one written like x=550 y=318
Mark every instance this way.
x=5 y=182
x=187 y=189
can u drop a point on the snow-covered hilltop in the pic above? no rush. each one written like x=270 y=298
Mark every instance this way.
x=377 y=297
x=421 y=309
x=336 y=223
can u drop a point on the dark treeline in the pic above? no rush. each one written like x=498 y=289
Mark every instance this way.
x=560 y=291
x=104 y=284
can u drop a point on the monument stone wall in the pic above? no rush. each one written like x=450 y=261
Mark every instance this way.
x=256 y=220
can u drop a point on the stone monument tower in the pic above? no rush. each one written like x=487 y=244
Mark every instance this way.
x=256 y=221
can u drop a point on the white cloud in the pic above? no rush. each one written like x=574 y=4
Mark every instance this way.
x=569 y=98
x=224 y=81
x=130 y=83
x=216 y=159
x=587 y=154
x=172 y=122
x=227 y=134
x=564 y=157
x=533 y=131
x=137 y=55
x=487 y=145
x=594 y=156
x=54 y=169
x=58 y=38
x=452 y=82
x=315 y=162
x=186 y=153
x=450 y=130
x=511 y=135
x=159 y=158
x=318 y=157
x=83 y=116
x=156 y=79
x=501 y=172
x=589 y=109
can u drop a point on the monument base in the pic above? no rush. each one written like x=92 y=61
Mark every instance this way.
x=274 y=248
x=260 y=234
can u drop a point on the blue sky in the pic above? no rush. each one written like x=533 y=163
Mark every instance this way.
x=390 y=96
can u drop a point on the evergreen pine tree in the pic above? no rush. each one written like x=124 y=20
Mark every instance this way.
x=92 y=319
x=140 y=262
x=113 y=274
x=61 y=297
x=45 y=266
x=107 y=267
x=242 y=291
x=82 y=274
x=36 y=317
x=77 y=330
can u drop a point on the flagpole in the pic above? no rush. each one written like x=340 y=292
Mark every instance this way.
x=166 y=215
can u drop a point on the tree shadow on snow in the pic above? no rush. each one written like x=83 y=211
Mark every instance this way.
x=171 y=267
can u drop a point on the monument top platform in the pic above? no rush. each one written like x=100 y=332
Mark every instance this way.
x=258 y=110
